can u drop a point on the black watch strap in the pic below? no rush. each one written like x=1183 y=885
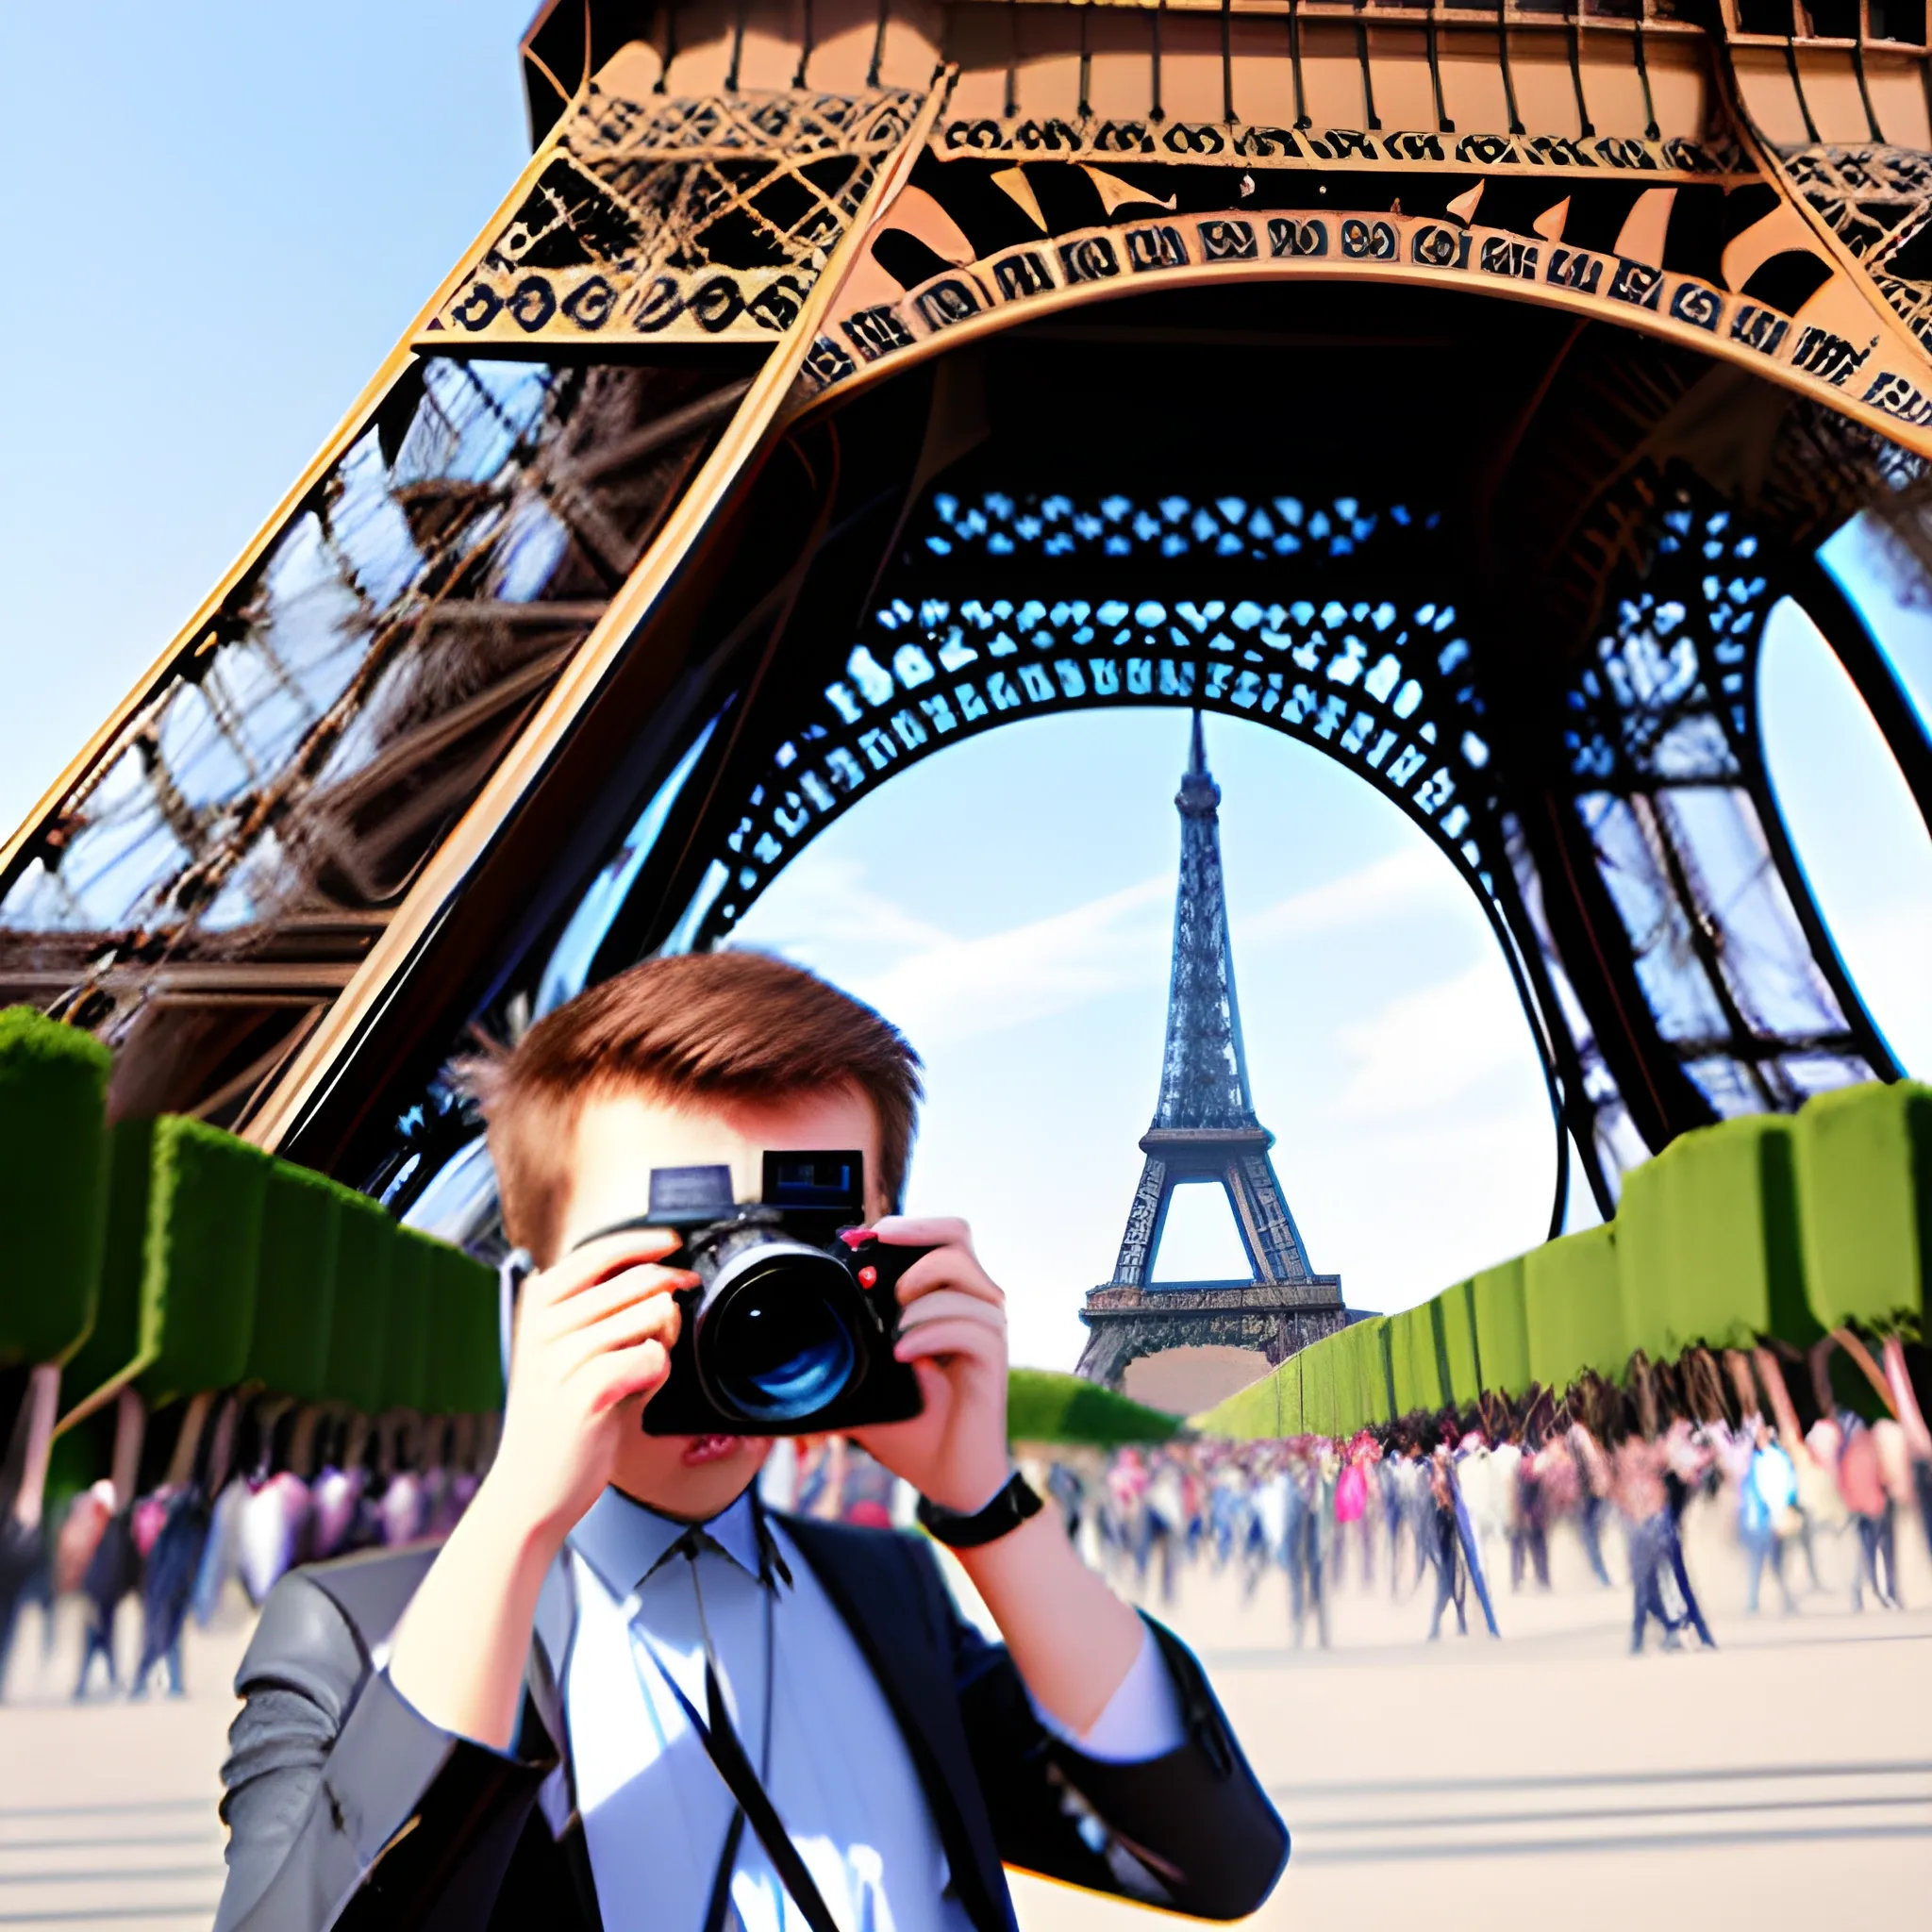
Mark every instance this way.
x=1016 y=1501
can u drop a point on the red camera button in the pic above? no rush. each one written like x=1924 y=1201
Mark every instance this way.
x=855 y=1237
x=868 y=1277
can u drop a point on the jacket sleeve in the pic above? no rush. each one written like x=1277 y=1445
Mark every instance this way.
x=1190 y=1830
x=344 y=1807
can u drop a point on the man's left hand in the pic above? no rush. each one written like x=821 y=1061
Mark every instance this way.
x=953 y=1330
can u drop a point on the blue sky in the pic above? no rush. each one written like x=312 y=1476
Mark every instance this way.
x=238 y=209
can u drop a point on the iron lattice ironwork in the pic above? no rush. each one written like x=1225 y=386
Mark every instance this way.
x=1205 y=1130
x=237 y=846
x=1670 y=792
x=671 y=220
x=1009 y=605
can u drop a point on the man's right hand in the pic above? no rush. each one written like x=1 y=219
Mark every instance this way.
x=594 y=1338
x=592 y=1345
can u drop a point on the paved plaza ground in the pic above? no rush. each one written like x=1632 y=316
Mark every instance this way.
x=1785 y=1780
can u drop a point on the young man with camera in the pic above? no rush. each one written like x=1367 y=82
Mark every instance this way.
x=622 y=1694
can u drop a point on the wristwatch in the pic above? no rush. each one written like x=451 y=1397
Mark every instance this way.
x=1016 y=1501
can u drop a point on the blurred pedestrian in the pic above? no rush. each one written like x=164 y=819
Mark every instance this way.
x=1302 y=1547
x=1862 y=1483
x=1529 y=1540
x=1593 y=1491
x=1446 y=1548
x=112 y=1572
x=1352 y=1512
x=1637 y=1487
x=1767 y=1513
x=1688 y=1462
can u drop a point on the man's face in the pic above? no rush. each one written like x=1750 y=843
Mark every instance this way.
x=620 y=1138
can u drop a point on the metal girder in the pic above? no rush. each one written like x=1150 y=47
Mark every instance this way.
x=348 y=697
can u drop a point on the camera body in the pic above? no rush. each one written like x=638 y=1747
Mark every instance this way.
x=790 y=1328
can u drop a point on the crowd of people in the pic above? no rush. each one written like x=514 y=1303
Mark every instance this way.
x=177 y=1545
x=1451 y=1506
x=1447 y=1502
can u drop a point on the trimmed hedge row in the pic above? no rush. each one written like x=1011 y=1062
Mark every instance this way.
x=176 y=1257
x=53 y=1184
x=1770 y=1225
x=1045 y=1407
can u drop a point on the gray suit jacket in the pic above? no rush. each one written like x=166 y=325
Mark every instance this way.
x=347 y=1808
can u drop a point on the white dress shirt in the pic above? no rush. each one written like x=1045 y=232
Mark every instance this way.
x=654 y=1808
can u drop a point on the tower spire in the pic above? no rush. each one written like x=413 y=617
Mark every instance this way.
x=1205 y=1130
x=1203 y=1068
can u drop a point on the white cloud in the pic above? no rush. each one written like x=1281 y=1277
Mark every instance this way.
x=965 y=987
x=1433 y=1046
x=825 y=901
x=942 y=988
x=1406 y=882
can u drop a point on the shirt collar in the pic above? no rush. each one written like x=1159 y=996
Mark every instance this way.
x=623 y=1541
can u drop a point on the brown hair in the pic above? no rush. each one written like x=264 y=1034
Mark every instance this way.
x=693 y=1028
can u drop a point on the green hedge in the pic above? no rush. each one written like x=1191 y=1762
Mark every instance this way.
x=295 y=1283
x=206 y=1192
x=1502 y=1326
x=175 y=1300
x=1864 y=1163
x=1412 y=1358
x=1708 y=1241
x=405 y=1331
x=1368 y=1391
x=358 y=1321
x=1270 y=1409
x=1453 y=1318
x=1044 y=1406
x=54 y=1167
x=172 y=1254
x=465 y=1364
x=1764 y=1226
x=1344 y=1382
x=1255 y=1411
x=1572 y=1298
x=113 y=1344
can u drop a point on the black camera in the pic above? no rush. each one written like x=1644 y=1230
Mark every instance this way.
x=791 y=1325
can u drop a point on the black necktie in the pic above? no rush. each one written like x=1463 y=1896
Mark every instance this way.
x=722 y=1743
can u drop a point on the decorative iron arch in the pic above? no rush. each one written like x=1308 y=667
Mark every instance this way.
x=1347 y=655
x=1613 y=233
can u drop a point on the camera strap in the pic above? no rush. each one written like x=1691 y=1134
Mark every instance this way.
x=726 y=1749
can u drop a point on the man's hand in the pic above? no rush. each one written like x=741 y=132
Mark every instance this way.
x=1073 y=1640
x=593 y=1341
x=592 y=1345
x=953 y=1331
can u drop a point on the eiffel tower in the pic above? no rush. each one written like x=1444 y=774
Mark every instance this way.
x=1205 y=1129
x=1454 y=391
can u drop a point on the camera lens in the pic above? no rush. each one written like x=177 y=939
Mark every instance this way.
x=778 y=1342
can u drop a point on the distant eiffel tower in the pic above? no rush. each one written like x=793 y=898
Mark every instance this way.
x=1205 y=1128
